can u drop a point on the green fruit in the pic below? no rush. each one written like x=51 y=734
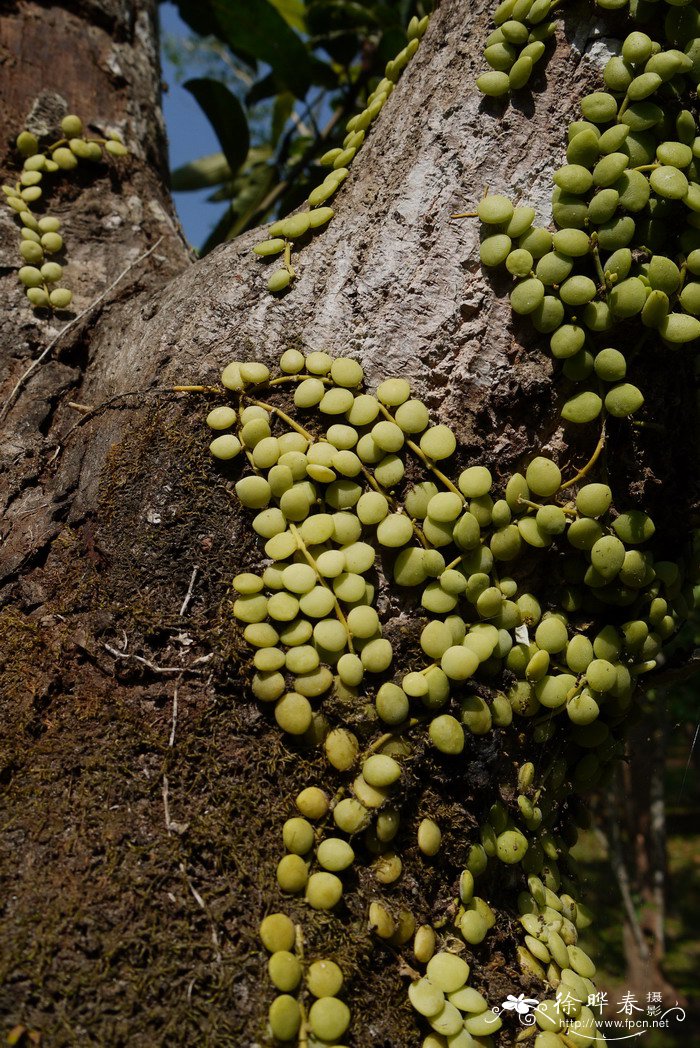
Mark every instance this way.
x=324 y=978
x=329 y=1018
x=669 y=182
x=537 y=241
x=51 y=272
x=554 y=267
x=426 y=998
x=447 y=971
x=511 y=846
x=473 y=927
x=593 y=500
x=60 y=298
x=543 y=477
x=521 y=221
x=279 y=280
x=678 y=328
x=582 y=408
x=599 y=107
x=31 y=277
x=438 y=442
x=284 y=970
x=583 y=148
x=493 y=84
x=607 y=556
x=577 y=291
x=494 y=209
x=634 y=527
x=527 y=296
x=519 y=262
x=624 y=399
x=447 y=734
x=603 y=206
x=610 y=365
x=627 y=297
x=38 y=297
x=494 y=249
x=31 y=252
x=269 y=247
x=323 y=892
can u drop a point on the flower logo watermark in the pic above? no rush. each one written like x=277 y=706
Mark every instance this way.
x=522 y=1005
x=629 y=1020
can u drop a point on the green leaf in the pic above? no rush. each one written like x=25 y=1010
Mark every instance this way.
x=267 y=87
x=293 y=12
x=226 y=116
x=255 y=28
x=201 y=173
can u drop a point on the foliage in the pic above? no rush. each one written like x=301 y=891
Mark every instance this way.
x=290 y=73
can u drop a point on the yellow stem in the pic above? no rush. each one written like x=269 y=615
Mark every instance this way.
x=301 y=377
x=283 y=415
x=310 y=560
x=591 y=462
x=424 y=458
x=197 y=389
x=539 y=505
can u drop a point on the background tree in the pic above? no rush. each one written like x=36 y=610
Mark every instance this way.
x=143 y=788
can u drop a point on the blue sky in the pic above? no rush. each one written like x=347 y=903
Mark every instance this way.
x=189 y=136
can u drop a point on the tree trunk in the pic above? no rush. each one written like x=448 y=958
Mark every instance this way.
x=144 y=789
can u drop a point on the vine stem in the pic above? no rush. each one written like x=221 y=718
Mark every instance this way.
x=338 y=610
x=283 y=415
x=413 y=722
x=598 y=265
x=591 y=462
x=539 y=505
x=196 y=389
x=282 y=379
x=424 y=458
x=371 y=480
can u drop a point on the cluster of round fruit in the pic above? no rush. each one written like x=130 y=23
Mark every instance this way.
x=325 y=504
x=453 y=1009
x=328 y=1016
x=326 y=499
x=283 y=234
x=564 y=662
x=516 y=45
x=627 y=204
x=39 y=236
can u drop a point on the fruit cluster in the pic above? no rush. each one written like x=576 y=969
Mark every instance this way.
x=627 y=208
x=327 y=502
x=284 y=234
x=516 y=45
x=39 y=235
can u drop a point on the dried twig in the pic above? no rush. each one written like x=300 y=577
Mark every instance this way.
x=203 y=906
x=173 y=727
x=190 y=588
x=146 y=662
x=71 y=323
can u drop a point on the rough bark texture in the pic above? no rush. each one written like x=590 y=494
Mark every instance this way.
x=119 y=928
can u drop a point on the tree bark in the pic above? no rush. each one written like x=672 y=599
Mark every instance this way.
x=144 y=789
